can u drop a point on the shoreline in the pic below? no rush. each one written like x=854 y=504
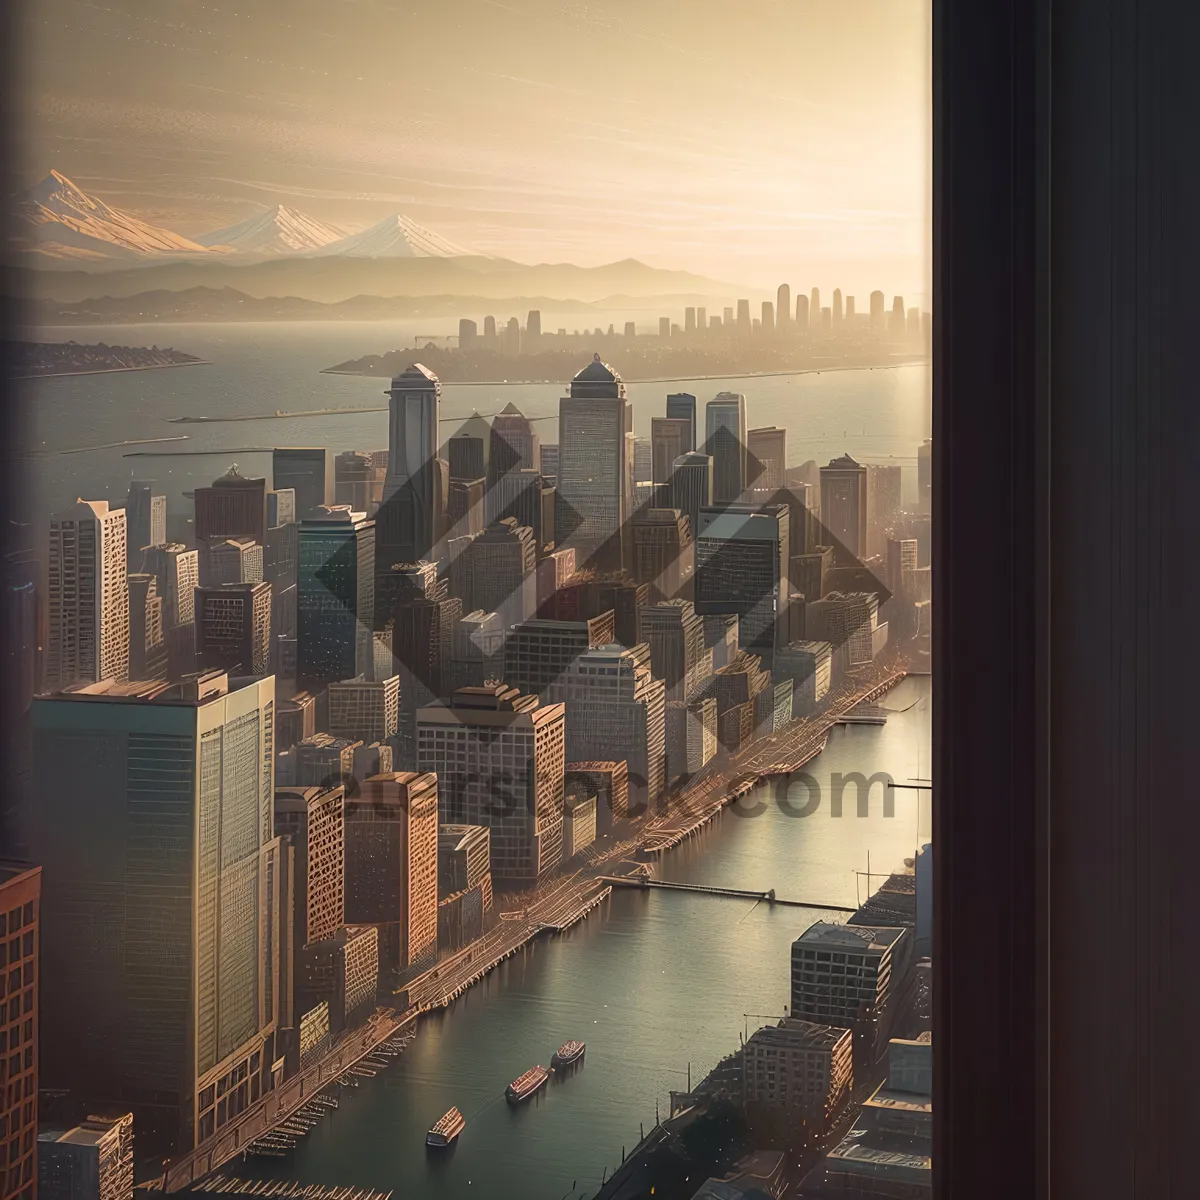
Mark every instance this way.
x=200 y=362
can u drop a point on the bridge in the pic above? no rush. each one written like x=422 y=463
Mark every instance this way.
x=641 y=881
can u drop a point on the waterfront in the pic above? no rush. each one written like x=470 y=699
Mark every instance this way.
x=651 y=981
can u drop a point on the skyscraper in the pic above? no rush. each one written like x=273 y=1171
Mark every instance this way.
x=701 y=320
x=313 y=821
x=689 y=320
x=743 y=318
x=669 y=437
x=468 y=332
x=837 y=306
x=766 y=451
x=768 y=317
x=365 y=710
x=725 y=442
x=783 y=306
x=155 y=822
x=145 y=519
x=727 y=318
x=877 y=312
x=233 y=506
x=675 y=634
x=308 y=471
x=883 y=505
x=538 y=652
x=233 y=560
x=514 y=445
x=663 y=552
x=595 y=484
x=849 y=310
x=533 y=330
x=177 y=570
x=466 y=457
x=413 y=493
x=802 y=314
x=898 y=323
x=88 y=595
x=499 y=757
x=924 y=475
x=691 y=487
x=147 y=642
x=844 y=504
x=496 y=572
x=681 y=406
x=233 y=628
x=335 y=596
x=814 y=306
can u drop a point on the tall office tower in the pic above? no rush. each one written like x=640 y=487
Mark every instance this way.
x=743 y=318
x=232 y=507
x=414 y=492
x=177 y=571
x=826 y=319
x=147 y=642
x=767 y=323
x=423 y=631
x=701 y=320
x=814 y=306
x=664 y=553
x=766 y=459
x=353 y=475
x=233 y=560
x=279 y=550
x=320 y=760
x=553 y=571
x=365 y=710
x=88 y=630
x=595 y=484
x=312 y=820
x=308 y=471
x=615 y=706
x=878 y=316
x=901 y=564
x=145 y=519
x=525 y=496
x=913 y=329
x=884 y=505
x=510 y=339
x=465 y=507
x=466 y=457
x=476 y=650
x=897 y=323
x=841 y=972
x=925 y=476
x=233 y=628
x=809 y=572
x=499 y=758
x=727 y=319
x=721 y=637
x=691 y=486
x=808 y=665
x=295 y=720
x=725 y=442
x=335 y=596
x=497 y=572
x=681 y=406
x=849 y=621
x=21 y=918
x=93 y=1161
x=159 y=798
x=606 y=781
x=783 y=307
x=850 y=314
x=533 y=329
x=465 y=861
x=837 y=306
x=281 y=507
x=844 y=507
x=742 y=558
x=802 y=314
x=689 y=320
x=538 y=652
x=468 y=332
x=675 y=634
x=548 y=460
x=391 y=864
x=664 y=327
x=514 y=445
x=669 y=438
x=489 y=330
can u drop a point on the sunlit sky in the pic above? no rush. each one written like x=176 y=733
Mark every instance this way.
x=752 y=141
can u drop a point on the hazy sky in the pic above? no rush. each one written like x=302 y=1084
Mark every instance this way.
x=751 y=140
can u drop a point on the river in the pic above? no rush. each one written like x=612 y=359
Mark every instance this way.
x=651 y=981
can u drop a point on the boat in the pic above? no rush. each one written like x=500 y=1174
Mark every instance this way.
x=568 y=1054
x=445 y=1132
x=526 y=1085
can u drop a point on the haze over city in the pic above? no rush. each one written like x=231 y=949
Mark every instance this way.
x=531 y=130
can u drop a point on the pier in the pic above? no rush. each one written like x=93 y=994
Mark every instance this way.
x=227 y=1185
x=645 y=883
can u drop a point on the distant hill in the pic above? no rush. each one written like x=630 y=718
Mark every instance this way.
x=333 y=279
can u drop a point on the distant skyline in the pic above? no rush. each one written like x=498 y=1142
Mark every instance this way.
x=770 y=141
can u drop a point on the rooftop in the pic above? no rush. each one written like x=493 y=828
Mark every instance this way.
x=418 y=377
x=794 y=1034
x=848 y=937
x=597 y=371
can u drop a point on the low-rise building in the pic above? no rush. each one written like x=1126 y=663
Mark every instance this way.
x=842 y=973
x=579 y=824
x=801 y=1068
x=93 y=1161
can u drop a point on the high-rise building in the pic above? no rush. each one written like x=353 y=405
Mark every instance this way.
x=335 y=599
x=510 y=339
x=145 y=519
x=476 y=650
x=233 y=560
x=391 y=864
x=814 y=306
x=681 y=406
x=675 y=634
x=466 y=457
x=844 y=506
x=877 y=311
x=884 y=505
x=691 y=487
x=799 y=1068
x=744 y=327
x=664 y=327
x=664 y=552
x=514 y=444
x=727 y=319
x=147 y=643
x=701 y=320
x=669 y=437
x=499 y=758
x=414 y=492
x=155 y=823
x=232 y=507
x=615 y=706
x=766 y=457
x=802 y=313
x=464 y=507
x=295 y=720
x=489 y=330
x=308 y=471
x=177 y=571
x=809 y=665
x=496 y=572
x=88 y=595
x=850 y=315
x=767 y=322
x=533 y=330
x=902 y=563
x=93 y=1161
x=281 y=507
x=842 y=973
x=608 y=782
x=538 y=653
x=365 y=710
x=742 y=559
x=689 y=320
x=898 y=322
x=826 y=319
x=468 y=332
x=783 y=306
x=312 y=820
x=20 y=931
x=354 y=480
x=548 y=459
x=924 y=475
x=595 y=477
x=725 y=443
x=837 y=306
x=849 y=621
x=464 y=858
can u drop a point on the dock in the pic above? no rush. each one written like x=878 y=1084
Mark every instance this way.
x=276 y=1189
x=768 y=897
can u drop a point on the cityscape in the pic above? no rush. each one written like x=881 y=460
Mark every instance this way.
x=517 y=783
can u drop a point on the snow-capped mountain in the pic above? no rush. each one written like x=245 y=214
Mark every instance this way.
x=63 y=221
x=395 y=237
x=279 y=230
